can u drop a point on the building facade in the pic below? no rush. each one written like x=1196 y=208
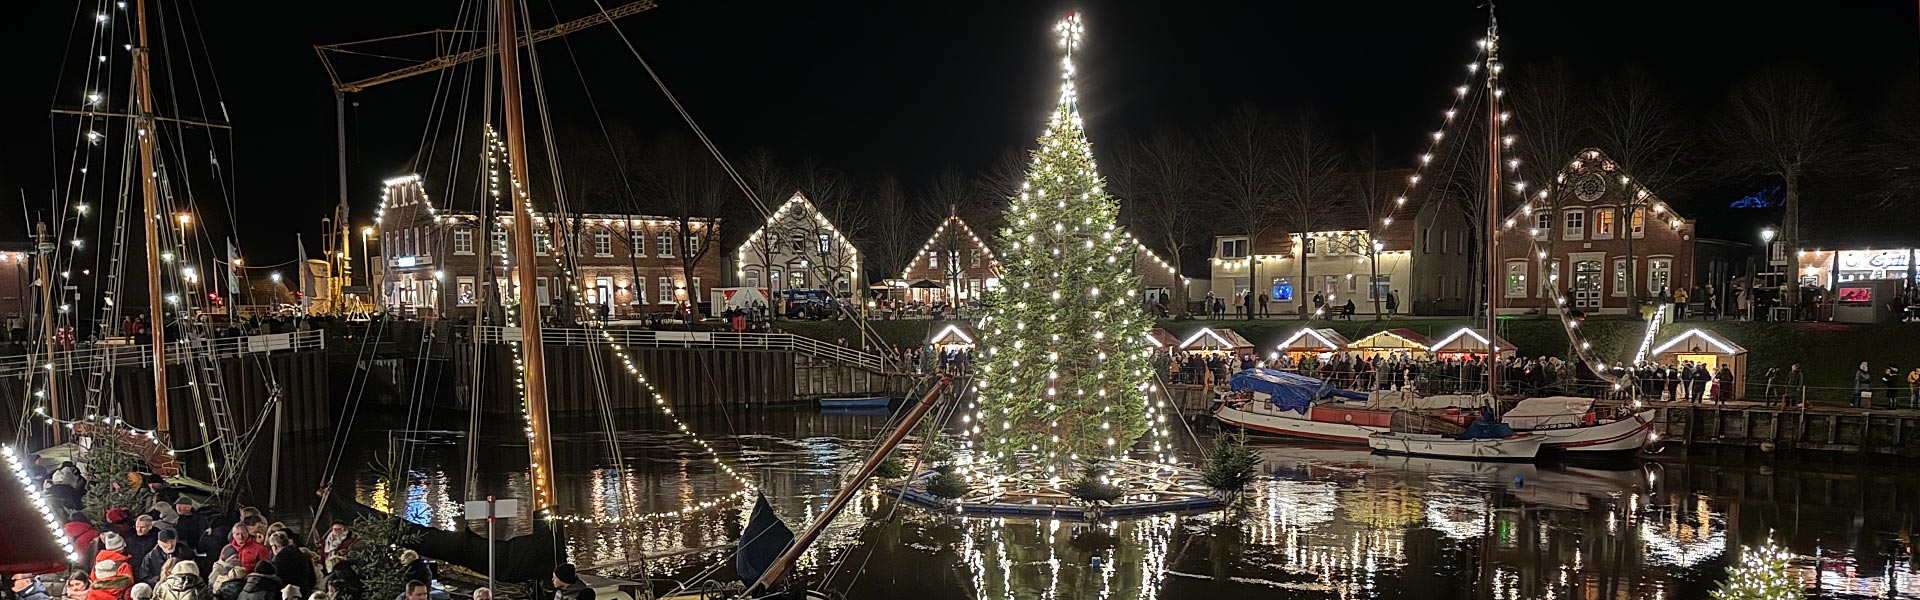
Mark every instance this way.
x=434 y=263
x=799 y=249
x=1416 y=251
x=1577 y=244
x=955 y=258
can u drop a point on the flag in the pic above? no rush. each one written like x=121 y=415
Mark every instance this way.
x=306 y=274
x=233 y=273
x=762 y=542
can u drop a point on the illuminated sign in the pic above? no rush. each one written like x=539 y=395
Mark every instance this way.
x=1874 y=259
x=1861 y=295
x=404 y=261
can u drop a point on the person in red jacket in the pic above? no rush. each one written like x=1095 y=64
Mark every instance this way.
x=250 y=551
x=113 y=549
x=82 y=533
x=108 y=582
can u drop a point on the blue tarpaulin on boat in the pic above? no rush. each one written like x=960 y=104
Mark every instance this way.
x=1288 y=391
x=1487 y=427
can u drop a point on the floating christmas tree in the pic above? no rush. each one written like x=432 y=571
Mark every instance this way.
x=1763 y=574
x=1064 y=373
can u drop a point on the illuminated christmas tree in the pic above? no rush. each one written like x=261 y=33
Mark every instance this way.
x=1064 y=365
x=1763 y=574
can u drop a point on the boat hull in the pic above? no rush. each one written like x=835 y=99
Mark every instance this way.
x=874 y=402
x=1522 y=447
x=1253 y=419
x=1625 y=436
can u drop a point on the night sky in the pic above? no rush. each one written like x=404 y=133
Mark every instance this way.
x=910 y=87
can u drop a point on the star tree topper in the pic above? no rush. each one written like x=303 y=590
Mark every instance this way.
x=1064 y=375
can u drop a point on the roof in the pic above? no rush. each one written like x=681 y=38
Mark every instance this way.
x=1208 y=338
x=1161 y=338
x=1592 y=160
x=1393 y=339
x=953 y=220
x=953 y=334
x=799 y=201
x=1308 y=338
x=1471 y=340
x=1699 y=341
x=37 y=548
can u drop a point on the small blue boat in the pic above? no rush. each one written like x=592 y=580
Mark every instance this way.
x=856 y=402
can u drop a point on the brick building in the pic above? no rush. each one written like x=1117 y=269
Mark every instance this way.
x=1420 y=245
x=957 y=259
x=1582 y=235
x=428 y=262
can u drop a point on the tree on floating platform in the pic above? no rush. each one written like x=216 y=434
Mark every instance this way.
x=947 y=483
x=1763 y=574
x=107 y=469
x=1091 y=487
x=1064 y=367
x=1230 y=465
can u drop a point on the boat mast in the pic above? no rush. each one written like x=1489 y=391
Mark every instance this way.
x=539 y=444
x=1492 y=209
x=150 y=190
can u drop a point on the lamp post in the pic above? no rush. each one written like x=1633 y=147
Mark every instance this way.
x=1766 y=262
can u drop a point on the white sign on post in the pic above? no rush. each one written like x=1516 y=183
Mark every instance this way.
x=502 y=508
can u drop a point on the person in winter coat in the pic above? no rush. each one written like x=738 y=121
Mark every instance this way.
x=77 y=587
x=343 y=580
x=567 y=584
x=188 y=522
x=263 y=584
x=82 y=534
x=228 y=579
x=338 y=542
x=109 y=583
x=1862 y=381
x=158 y=562
x=290 y=563
x=1724 y=381
x=250 y=551
x=26 y=587
x=140 y=540
x=140 y=591
x=184 y=583
x=113 y=549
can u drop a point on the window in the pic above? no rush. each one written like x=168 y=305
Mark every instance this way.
x=1542 y=224
x=500 y=240
x=1233 y=248
x=540 y=291
x=1353 y=284
x=542 y=242
x=1382 y=285
x=798 y=242
x=1308 y=244
x=663 y=243
x=463 y=290
x=797 y=280
x=1639 y=222
x=933 y=260
x=1549 y=277
x=666 y=290
x=463 y=241
x=1517 y=279
x=1425 y=238
x=1620 y=277
x=976 y=258
x=637 y=243
x=1659 y=274
x=1603 y=224
x=1446 y=239
x=693 y=291
x=602 y=243
x=825 y=244
x=693 y=245
x=1576 y=225
x=753 y=277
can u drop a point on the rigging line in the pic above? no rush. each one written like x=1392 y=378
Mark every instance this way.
x=227 y=191
x=684 y=115
x=431 y=130
x=934 y=429
x=354 y=399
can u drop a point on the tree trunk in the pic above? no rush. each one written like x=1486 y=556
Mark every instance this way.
x=1633 y=265
x=1790 y=232
x=1301 y=286
x=1373 y=275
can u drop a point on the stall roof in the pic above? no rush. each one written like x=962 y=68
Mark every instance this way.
x=1393 y=339
x=1209 y=338
x=1308 y=338
x=1471 y=340
x=1702 y=340
x=1161 y=338
x=953 y=334
x=36 y=548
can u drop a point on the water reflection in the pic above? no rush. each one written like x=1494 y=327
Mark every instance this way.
x=1324 y=522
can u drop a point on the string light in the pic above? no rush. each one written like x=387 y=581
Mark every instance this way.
x=54 y=527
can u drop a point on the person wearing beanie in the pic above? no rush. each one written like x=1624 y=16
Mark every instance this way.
x=109 y=583
x=119 y=520
x=228 y=579
x=113 y=549
x=567 y=584
x=155 y=564
x=184 y=583
x=263 y=584
x=140 y=591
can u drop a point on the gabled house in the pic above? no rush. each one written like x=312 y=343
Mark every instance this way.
x=799 y=249
x=957 y=259
x=1600 y=237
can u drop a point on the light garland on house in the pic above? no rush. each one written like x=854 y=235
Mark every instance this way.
x=54 y=527
x=993 y=262
x=799 y=201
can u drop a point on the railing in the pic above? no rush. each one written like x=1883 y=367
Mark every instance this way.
x=102 y=356
x=726 y=340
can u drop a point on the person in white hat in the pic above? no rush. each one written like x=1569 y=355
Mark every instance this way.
x=109 y=578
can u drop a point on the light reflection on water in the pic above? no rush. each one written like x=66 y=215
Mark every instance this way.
x=1326 y=522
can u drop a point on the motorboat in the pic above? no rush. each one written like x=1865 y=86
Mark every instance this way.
x=1519 y=447
x=1279 y=403
x=1575 y=426
x=855 y=402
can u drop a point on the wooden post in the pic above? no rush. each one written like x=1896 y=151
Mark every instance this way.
x=150 y=193
x=540 y=446
x=44 y=263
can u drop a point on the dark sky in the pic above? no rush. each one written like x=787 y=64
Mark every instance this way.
x=910 y=87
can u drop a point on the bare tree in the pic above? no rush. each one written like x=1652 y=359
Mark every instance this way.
x=1638 y=129
x=1160 y=183
x=828 y=263
x=1306 y=182
x=1370 y=191
x=1782 y=122
x=1241 y=162
x=691 y=189
x=1893 y=152
x=996 y=187
x=772 y=184
x=1547 y=127
x=898 y=227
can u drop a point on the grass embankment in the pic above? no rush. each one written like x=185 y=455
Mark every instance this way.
x=1828 y=352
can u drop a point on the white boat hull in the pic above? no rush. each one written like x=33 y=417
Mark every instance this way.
x=1260 y=417
x=1519 y=447
x=1623 y=436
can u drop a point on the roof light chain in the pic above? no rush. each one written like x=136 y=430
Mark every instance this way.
x=54 y=526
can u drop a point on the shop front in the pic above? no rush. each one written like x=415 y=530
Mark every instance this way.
x=1828 y=268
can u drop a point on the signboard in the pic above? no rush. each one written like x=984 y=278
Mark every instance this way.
x=1875 y=259
x=502 y=508
x=1860 y=295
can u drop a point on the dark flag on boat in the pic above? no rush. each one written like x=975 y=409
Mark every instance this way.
x=764 y=539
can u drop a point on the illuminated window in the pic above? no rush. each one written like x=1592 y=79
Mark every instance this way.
x=463 y=291
x=1659 y=274
x=976 y=258
x=602 y=243
x=1603 y=224
x=1639 y=222
x=933 y=260
x=542 y=243
x=666 y=290
x=1620 y=277
x=1542 y=225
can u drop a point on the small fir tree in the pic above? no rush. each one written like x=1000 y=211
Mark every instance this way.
x=1230 y=464
x=376 y=555
x=107 y=466
x=1763 y=574
x=1064 y=367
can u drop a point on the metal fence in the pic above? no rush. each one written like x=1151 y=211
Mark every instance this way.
x=102 y=356
x=725 y=340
